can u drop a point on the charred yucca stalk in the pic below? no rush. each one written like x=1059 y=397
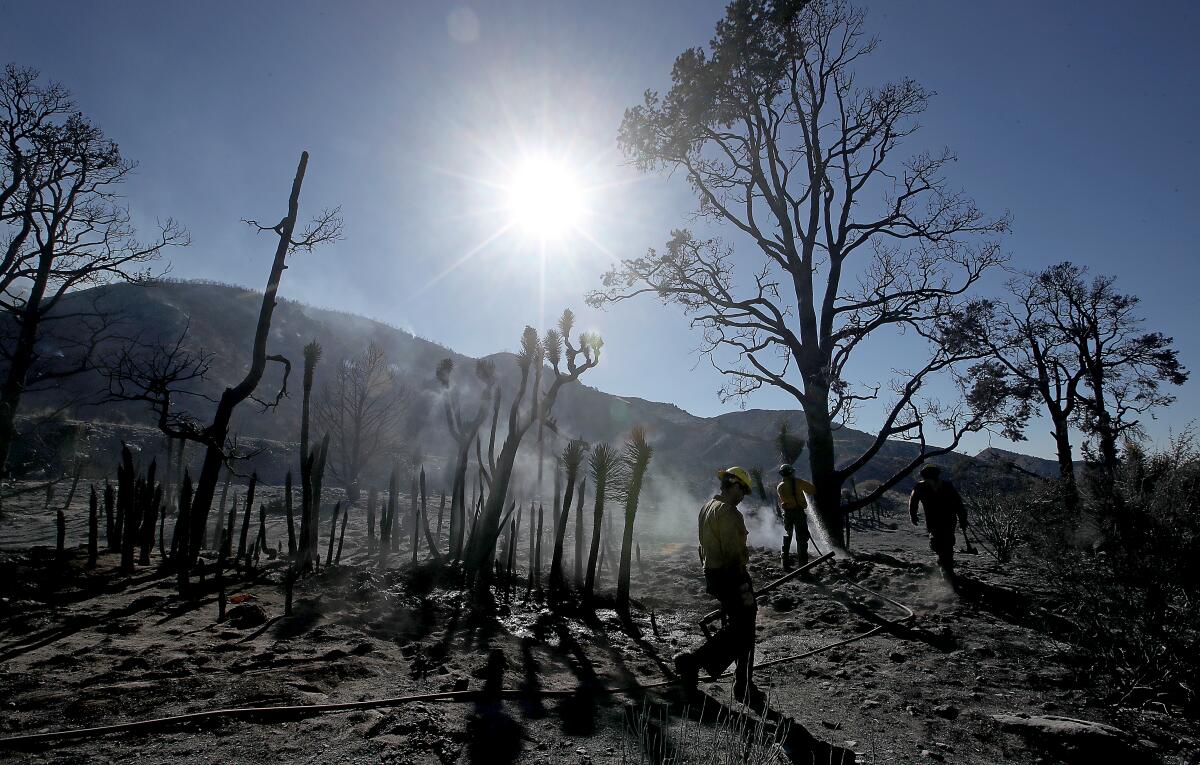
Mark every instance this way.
x=162 y=533
x=148 y=500
x=312 y=476
x=227 y=540
x=242 y=552
x=514 y=527
x=219 y=521
x=224 y=545
x=261 y=542
x=93 y=527
x=441 y=511
x=522 y=416
x=603 y=464
x=463 y=429
x=182 y=531
x=414 y=516
x=637 y=461
x=111 y=535
x=152 y=513
x=532 y=552
x=291 y=520
x=389 y=511
x=372 y=500
x=579 y=530
x=430 y=539
x=572 y=460
x=337 y=507
x=308 y=460
x=537 y=553
x=60 y=523
x=337 y=559
x=126 y=523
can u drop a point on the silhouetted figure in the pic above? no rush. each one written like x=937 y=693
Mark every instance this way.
x=723 y=551
x=943 y=506
x=792 y=503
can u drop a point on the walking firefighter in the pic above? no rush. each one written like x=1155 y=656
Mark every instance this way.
x=793 y=500
x=943 y=506
x=723 y=551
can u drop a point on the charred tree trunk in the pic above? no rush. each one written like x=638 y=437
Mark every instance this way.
x=1066 y=463
x=183 y=527
x=218 y=431
x=372 y=500
x=291 y=521
x=111 y=536
x=127 y=508
x=822 y=462
x=579 y=526
x=241 y=553
x=337 y=559
x=337 y=506
x=93 y=527
x=637 y=458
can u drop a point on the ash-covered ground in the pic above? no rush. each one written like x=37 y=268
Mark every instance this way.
x=976 y=677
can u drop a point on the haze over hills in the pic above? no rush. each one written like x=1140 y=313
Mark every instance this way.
x=221 y=319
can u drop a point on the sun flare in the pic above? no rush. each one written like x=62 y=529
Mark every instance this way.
x=545 y=199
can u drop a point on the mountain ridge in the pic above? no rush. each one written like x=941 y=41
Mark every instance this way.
x=221 y=318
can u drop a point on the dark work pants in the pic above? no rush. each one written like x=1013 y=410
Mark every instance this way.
x=734 y=642
x=942 y=545
x=795 y=521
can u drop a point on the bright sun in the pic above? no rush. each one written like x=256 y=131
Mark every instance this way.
x=545 y=199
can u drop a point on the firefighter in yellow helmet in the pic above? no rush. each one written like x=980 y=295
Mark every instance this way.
x=792 y=493
x=725 y=556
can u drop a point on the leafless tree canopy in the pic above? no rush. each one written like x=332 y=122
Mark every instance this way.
x=62 y=228
x=780 y=143
x=364 y=408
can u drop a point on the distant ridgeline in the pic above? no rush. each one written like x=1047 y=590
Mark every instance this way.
x=220 y=319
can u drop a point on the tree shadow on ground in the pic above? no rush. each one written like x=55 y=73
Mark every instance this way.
x=494 y=736
x=664 y=734
x=74 y=623
x=1020 y=609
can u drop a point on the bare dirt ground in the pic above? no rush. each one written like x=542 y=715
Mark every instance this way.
x=82 y=647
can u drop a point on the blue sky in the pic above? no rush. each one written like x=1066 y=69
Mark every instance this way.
x=1078 y=118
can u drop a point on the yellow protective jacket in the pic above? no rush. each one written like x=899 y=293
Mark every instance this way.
x=791 y=493
x=722 y=536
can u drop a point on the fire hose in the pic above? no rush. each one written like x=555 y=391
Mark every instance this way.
x=305 y=710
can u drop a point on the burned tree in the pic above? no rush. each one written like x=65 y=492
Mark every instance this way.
x=64 y=229
x=1123 y=366
x=782 y=146
x=605 y=467
x=572 y=460
x=1074 y=347
x=636 y=459
x=464 y=431
x=556 y=347
x=126 y=379
x=364 y=409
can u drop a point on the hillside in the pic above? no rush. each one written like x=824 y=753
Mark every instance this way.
x=220 y=320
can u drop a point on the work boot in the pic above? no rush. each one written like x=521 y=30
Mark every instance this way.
x=751 y=695
x=688 y=670
x=785 y=560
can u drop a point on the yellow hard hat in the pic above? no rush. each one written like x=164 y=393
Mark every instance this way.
x=739 y=473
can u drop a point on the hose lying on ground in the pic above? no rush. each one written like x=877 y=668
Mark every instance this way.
x=304 y=710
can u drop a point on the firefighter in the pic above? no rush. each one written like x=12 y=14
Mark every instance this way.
x=725 y=557
x=792 y=493
x=943 y=506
